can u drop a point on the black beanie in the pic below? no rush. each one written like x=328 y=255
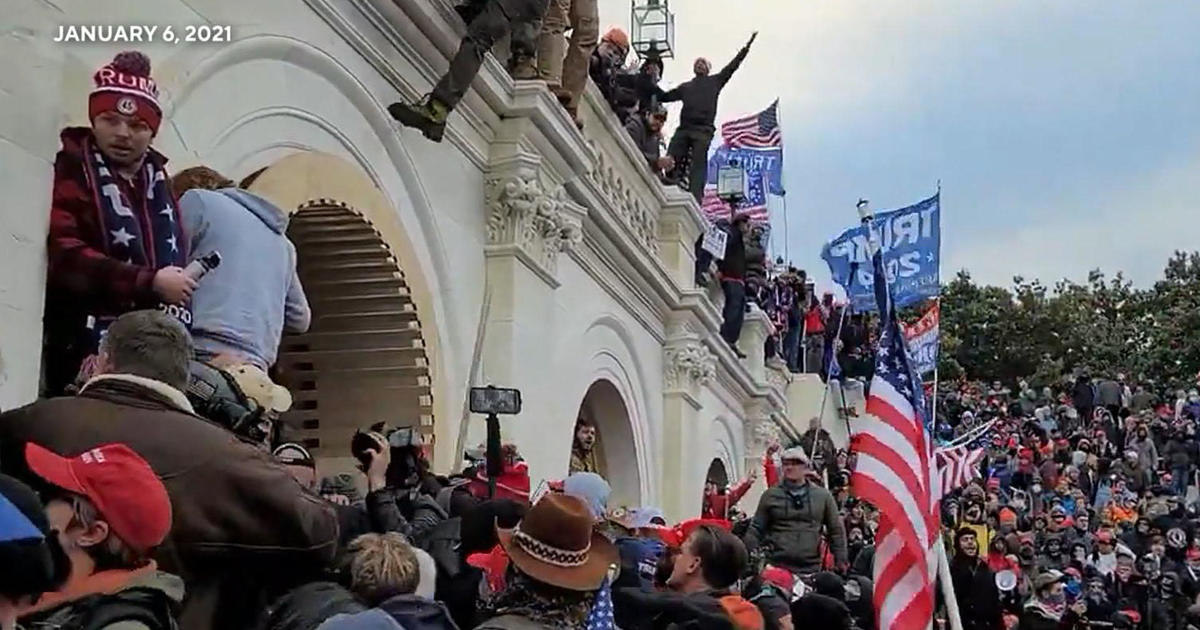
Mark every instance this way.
x=831 y=584
x=33 y=561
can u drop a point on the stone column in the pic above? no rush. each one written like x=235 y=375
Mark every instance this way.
x=761 y=430
x=679 y=225
x=688 y=366
x=753 y=342
x=530 y=222
x=32 y=97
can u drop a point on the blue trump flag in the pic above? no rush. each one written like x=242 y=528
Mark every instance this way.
x=768 y=161
x=911 y=242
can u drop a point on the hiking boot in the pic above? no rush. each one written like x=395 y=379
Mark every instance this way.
x=428 y=116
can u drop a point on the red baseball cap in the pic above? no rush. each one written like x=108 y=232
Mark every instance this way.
x=122 y=486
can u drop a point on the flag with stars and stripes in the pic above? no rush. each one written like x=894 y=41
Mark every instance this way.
x=601 y=615
x=757 y=131
x=958 y=466
x=896 y=472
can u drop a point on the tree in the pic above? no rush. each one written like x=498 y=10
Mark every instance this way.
x=1104 y=325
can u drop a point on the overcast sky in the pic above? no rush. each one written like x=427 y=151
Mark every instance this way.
x=1066 y=134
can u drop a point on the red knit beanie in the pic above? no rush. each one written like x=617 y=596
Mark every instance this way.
x=124 y=86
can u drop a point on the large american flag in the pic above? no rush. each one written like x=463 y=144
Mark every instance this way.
x=759 y=130
x=895 y=471
x=755 y=203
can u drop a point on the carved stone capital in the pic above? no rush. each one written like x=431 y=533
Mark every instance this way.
x=523 y=214
x=688 y=366
x=765 y=432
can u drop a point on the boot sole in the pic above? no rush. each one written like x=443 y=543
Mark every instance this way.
x=405 y=116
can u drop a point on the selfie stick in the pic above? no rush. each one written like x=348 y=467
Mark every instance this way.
x=495 y=467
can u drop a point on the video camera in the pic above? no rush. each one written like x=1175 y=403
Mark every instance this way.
x=215 y=395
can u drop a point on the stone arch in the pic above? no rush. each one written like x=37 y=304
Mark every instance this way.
x=717 y=472
x=607 y=352
x=604 y=407
x=334 y=202
x=726 y=445
x=364 y=356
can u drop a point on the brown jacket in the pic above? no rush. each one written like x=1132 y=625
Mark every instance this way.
x=234 y=510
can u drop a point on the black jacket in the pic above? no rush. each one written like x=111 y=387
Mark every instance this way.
x=734 y=264
x=821 y=611
x=306 y=607
x=414 y=612
x=700 y=95
x=647 y=142
x=663 y=610
x=409 y=512
x=975 y=589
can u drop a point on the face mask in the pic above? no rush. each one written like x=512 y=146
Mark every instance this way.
x=1056 y=599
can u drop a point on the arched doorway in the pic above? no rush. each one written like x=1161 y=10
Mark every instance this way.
x=615 y=453
x=717 y=473
x=364 y=358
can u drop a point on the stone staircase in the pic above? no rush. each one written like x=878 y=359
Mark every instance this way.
x=363 y=359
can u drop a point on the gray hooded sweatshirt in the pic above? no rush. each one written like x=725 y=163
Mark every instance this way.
x=244 y=305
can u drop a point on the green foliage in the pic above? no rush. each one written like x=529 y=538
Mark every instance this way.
x=1104 y=325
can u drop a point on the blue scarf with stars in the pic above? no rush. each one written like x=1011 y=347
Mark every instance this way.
x=147 y=234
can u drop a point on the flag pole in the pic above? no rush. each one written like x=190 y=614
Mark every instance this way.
x=943 y=568
x=938 y=302
x=828 y=380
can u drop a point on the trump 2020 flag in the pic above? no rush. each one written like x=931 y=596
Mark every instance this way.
x=767 y=161
x=911 y=244
x=922 y=338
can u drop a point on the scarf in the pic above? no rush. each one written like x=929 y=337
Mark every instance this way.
x=551 y=607
x=122 y=224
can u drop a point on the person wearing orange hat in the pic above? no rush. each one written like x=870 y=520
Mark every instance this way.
x=116 y=240
x=111 y=512
x=566 y=73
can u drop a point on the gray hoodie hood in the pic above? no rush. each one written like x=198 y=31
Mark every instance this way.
x=266 y=211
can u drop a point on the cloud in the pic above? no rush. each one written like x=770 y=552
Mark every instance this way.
x=1134 y=228
x=1063 y=132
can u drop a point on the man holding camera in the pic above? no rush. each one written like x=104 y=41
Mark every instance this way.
x=400 y=492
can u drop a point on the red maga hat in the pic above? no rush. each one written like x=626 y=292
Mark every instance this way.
x=119 y=483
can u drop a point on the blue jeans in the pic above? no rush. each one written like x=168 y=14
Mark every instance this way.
x=1179 y=480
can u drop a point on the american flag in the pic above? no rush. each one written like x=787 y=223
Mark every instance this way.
x=601 y=615
x=895 y=472
x=760 y=130
x=755 y=203
x=958 y=466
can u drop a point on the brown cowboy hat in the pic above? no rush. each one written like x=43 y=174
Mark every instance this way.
x=555 y=544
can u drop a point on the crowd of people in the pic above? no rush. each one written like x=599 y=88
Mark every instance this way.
x=153 y=486
x=1085 y=513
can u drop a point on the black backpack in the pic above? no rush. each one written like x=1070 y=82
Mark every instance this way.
x=144 y=605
